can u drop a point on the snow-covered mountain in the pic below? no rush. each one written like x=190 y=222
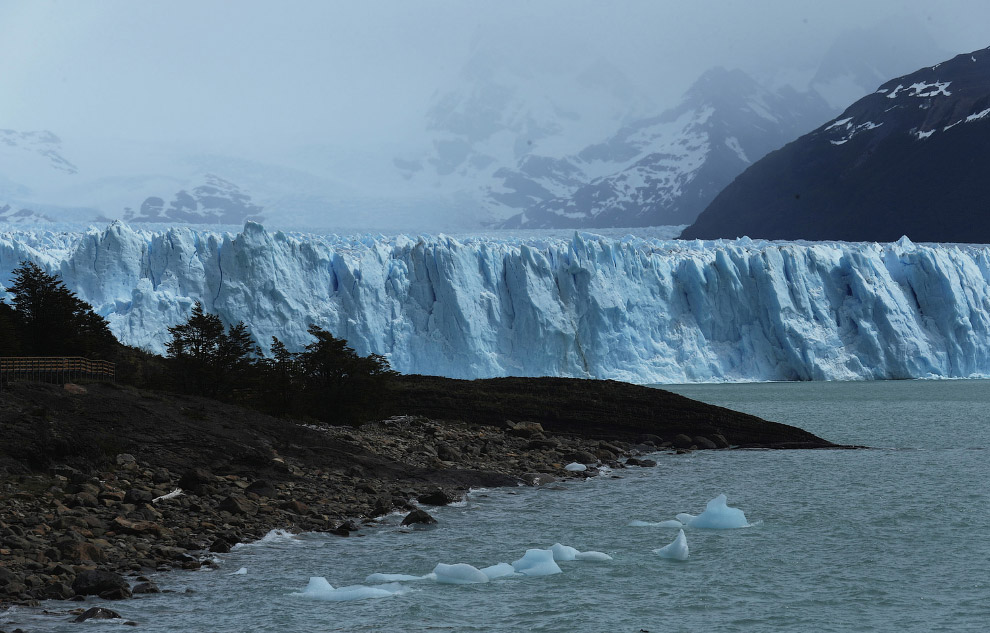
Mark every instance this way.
x=14 y=215
x=511 y=112
x=216 y=201
x=632 y=309
x=909 y=159
x=664 y=170
x=526 y=160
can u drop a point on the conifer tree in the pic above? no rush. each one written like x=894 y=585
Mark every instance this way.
x=205 y=359
x=339 y=384
x=51 y=320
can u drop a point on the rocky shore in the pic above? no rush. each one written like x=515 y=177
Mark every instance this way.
x=100 y=484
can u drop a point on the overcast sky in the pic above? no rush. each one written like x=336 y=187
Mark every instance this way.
x=335 y=72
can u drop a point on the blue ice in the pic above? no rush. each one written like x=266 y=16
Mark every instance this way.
x=320 y=589
x=677 y=550
x=536 y=562
x=717 y=515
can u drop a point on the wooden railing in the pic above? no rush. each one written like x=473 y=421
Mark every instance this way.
x=58 y=369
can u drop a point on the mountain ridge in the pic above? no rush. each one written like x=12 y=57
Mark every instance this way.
x=908 y=159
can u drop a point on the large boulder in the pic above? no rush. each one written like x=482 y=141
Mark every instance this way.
x=418 y=517
x=437 y=497
x=195 y=480
x=97 y=582
x=703 y=442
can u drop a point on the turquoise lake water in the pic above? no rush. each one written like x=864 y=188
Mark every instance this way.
x=894 y=538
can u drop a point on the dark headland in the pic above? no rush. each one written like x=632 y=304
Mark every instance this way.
x=82 y=467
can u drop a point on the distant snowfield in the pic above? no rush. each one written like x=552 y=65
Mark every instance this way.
x=630 y=305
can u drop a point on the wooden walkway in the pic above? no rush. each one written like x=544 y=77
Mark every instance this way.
x=56 y=369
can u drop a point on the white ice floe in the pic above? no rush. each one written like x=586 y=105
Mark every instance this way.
x=717 y=515
x=501 y=570
x=320 y=589
x=566 y=553
x=459 y=574
x=677 y=550
x=536 y=562
x=669 y=523
x=384 y=578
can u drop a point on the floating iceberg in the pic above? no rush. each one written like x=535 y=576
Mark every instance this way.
x=566 y=553
x=592 y=555
x=501 y=570
x=536 y=562
x=669 y=523
x=458 y=574
x=717 y=515
x=385 y=578
x=677 y=550
x=320 y=589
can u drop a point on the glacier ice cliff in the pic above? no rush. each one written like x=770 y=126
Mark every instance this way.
x=634 y=309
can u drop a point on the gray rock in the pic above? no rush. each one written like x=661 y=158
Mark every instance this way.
x=96 y=582
x=682 y=441
x=703 y=442
x=97 y=613
x=146 y=587
x=262 y=488
x=448 y=453
x=538 y=479
x=418 y=517
x=195 y=480
x=138 y=496
x=438 y=497
x=236 y=504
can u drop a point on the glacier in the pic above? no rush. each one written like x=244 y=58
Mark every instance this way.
x=629 y=308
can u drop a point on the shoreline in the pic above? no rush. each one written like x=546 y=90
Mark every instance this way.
x=135 y=526
x=91 y=486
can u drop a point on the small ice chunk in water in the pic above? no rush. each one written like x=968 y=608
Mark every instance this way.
x=239 y=572
x=575 y=467
x=717 y=515
x=669 y=523
x=593 y=556
x=677 y=550
x=536 y=562
x=382 y=578
x=565 y=553
x=459 y=574
x=320 y=589
x=317 y=585
x=500 y=570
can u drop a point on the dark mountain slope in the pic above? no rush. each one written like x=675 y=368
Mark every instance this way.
x=910 y=159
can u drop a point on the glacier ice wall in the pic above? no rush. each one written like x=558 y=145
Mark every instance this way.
x=633 y=309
